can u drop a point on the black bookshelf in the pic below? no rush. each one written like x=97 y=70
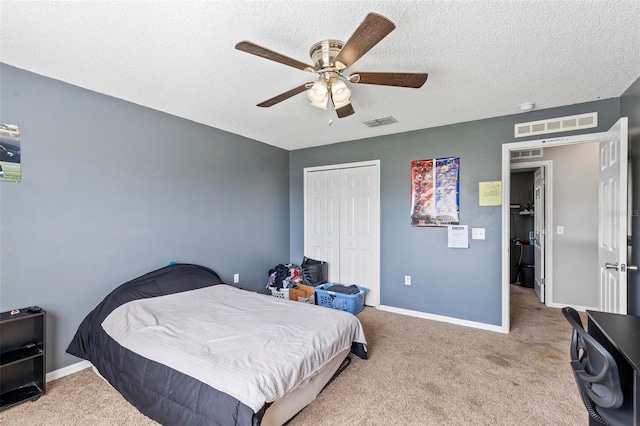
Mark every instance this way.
x=22 y=356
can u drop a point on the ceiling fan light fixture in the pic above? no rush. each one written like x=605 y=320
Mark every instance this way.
x=318 y=92
x=340 y=93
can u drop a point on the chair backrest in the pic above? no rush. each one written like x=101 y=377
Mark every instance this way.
x=594 y=368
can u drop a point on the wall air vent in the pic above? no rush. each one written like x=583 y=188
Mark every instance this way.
x=380 y=121
x=556 y=125
x=526 y=154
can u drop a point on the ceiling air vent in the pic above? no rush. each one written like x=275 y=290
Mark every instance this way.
x=526 y=153
x=380 y=121
x=555 y=125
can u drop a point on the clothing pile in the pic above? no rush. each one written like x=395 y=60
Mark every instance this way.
x=344 y=289
x=285 y=276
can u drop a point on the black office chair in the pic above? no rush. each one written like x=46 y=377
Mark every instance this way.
x=596 y=374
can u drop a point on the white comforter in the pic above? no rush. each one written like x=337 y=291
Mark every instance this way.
x=254 y=347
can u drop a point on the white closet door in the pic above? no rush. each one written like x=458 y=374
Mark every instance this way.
x=359 y=219
x=323 y=221
x=342 y=224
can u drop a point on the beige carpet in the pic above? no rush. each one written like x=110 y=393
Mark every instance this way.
x=419 y=372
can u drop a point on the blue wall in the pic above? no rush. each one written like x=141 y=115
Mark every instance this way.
x=457 y=283
x=111 y=190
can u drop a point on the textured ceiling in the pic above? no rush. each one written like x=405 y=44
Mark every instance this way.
x=483 y=58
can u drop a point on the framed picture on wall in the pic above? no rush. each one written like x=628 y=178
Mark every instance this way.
x=10 y=170
x=435 y=192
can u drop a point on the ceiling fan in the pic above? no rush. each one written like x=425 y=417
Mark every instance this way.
x=331 y=58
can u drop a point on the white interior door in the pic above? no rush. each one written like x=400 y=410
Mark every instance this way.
x=612 y=223
x=539 y=229
x=358 y=235
x=342 y=224
x=323 y=220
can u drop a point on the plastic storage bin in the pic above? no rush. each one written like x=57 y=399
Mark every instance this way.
x=314 y=271
x=282 y=293
x=353 y=303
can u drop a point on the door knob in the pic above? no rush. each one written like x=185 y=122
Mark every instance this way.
x=632 y=268
x=611 y=266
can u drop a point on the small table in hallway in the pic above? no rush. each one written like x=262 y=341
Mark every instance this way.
x=620 y=335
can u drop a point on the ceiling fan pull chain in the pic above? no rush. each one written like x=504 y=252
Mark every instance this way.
x=329 y=108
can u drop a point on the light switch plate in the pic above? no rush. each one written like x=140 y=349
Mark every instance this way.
x=560 y=230
x=477 y=233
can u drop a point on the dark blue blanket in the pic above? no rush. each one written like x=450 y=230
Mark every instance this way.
x=163 y=394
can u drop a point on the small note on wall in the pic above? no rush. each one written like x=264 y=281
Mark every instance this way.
x=491 y=193
x=458 y=236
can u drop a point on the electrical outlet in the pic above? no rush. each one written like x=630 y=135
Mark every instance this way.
x=236 y=278
x=407 y=280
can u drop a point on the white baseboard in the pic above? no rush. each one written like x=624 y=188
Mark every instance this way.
x=576 y=307
x=65 y=371
x=442 y=318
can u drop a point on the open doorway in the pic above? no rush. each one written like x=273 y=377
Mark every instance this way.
x=521 y=210
x=562 y=229
x=570 y=283
x=531 y=215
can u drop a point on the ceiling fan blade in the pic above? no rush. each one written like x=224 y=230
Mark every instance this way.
x=283 y=96
x=413 y=80
x=374 y=28
x=254 y=49
x=345 y=111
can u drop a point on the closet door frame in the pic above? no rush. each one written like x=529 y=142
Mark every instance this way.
x=375 y=281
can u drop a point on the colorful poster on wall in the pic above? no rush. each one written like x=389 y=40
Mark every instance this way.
x=9 y=153
x=435 y=192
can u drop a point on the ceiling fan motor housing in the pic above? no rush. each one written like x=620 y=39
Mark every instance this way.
x=323 y=52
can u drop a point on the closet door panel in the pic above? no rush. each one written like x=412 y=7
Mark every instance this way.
x=323 y=229
x=356 y=235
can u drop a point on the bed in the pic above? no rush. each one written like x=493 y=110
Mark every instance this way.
x=185 y=348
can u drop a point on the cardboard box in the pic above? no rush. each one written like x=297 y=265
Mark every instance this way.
x=303 y=293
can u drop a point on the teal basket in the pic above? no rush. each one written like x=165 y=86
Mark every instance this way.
x=353 y=303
